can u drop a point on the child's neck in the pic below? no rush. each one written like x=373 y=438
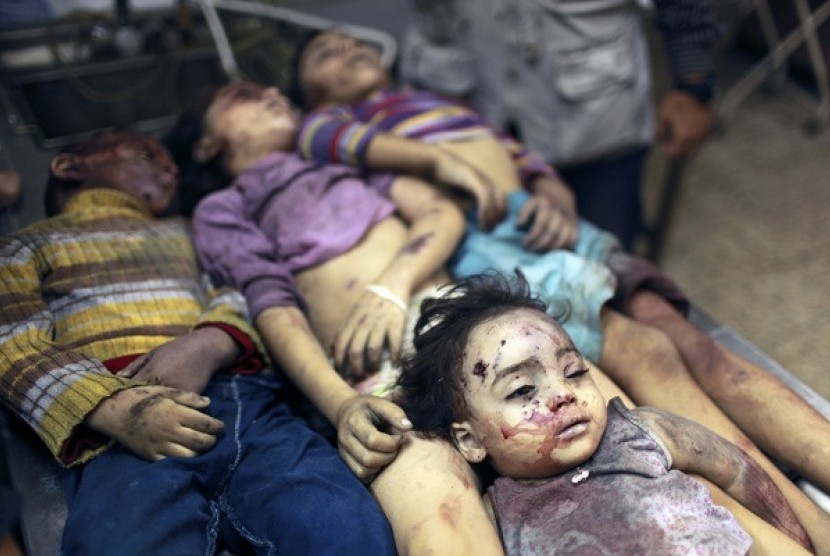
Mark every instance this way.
x=239 y=160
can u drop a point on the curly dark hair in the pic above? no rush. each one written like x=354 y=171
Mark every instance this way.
x=430 y=389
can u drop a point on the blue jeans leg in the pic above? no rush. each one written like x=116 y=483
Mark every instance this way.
x=269 y=483
x=292 y=490
x=121 y=505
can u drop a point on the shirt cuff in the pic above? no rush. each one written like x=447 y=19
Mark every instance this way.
x=250 y=361
x=703 y=91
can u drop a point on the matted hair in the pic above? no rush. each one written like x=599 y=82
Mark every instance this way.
x=431 y=389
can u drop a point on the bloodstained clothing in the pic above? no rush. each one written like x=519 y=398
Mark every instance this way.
x=626 y=499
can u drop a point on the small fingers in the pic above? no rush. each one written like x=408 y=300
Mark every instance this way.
x=174 y=450
x=364 y=462
x=202 y=423
x=188 y=399
x=357 y=353
x=342 y=342
x=194 y=439
x=365 y=474
x=374 y=348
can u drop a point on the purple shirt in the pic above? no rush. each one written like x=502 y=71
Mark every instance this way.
x=281 y=216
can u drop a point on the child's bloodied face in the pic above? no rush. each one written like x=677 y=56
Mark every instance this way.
x=534 y=407
x=338 y=69
x=134 y=163
x=249 y=116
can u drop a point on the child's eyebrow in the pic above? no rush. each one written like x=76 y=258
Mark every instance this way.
x=506 y=371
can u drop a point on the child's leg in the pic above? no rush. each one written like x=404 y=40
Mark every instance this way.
x=291 y=493
x=779 y=421
x=121 y=504
x=648 y=366
x=431 y=496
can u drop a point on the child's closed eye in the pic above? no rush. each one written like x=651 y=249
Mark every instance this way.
x=525 y=391
x=576 y=373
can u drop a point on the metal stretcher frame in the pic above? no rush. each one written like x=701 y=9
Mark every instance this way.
x=34 y=472
x=385 y=41
x=809 y=20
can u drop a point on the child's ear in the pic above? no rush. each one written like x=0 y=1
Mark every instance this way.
x=67 y=166
x=205 y=149
x=467 y=443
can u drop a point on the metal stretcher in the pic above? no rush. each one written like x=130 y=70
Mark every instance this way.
x=25 y=463
x=773 y=64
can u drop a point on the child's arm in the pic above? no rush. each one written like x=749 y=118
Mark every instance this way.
x=334 y=136
x=436 y=225
x=187 y=362
x=766 y=539
x=697 y=450
x=369 y=429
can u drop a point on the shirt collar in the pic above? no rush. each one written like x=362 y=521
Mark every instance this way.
x=105 y=197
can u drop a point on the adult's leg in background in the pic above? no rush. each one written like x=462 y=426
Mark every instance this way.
x=609 y=193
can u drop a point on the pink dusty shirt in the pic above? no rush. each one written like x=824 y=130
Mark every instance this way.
x=281 y=216
x=625 y=499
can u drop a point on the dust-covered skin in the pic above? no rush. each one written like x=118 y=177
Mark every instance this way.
x=537 y=412
x=126 y=161
x=187 y=362
x=695 y=449
x=156 y=422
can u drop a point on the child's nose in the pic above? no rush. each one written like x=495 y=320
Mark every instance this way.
x=559 y=397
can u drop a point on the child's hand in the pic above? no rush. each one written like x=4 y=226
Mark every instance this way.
x=156 y=422
x=548 y=227
x=187 y=362
x=490 y=201
x=370 y=431
x=373 y=323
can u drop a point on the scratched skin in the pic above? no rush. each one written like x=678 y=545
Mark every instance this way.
x=535 y=408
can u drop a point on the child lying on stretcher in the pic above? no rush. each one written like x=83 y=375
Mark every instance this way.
x=501 y=379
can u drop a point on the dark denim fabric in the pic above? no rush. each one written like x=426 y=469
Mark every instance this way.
x=608 y=194
x=269 y=484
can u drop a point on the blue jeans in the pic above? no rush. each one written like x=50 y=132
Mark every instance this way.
x=608 y=193
x=269 y=484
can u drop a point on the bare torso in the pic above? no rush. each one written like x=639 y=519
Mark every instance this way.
x=332 y=288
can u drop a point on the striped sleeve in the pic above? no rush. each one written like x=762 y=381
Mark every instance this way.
x=50 y=387
x=690 y=32
x=332 y=135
